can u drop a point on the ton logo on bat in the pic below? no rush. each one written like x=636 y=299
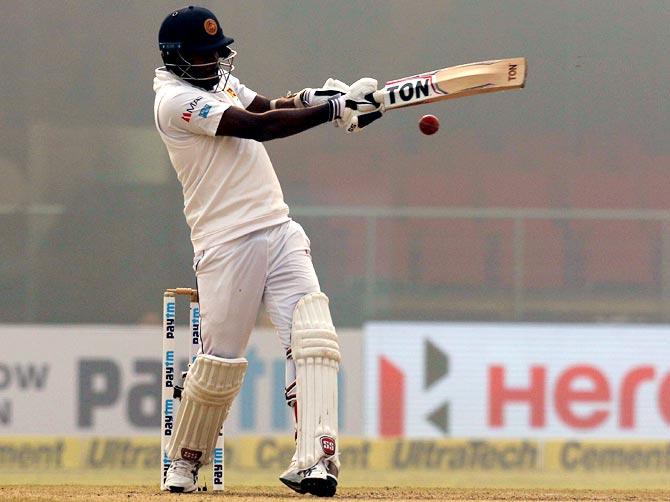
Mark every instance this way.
x=407 y=91
x=511 y=72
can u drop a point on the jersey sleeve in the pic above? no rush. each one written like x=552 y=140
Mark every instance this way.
x=244 y=94
x=192 y=112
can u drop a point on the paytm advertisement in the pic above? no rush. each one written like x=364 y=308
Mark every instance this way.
x=431 y=380
x=106 y=381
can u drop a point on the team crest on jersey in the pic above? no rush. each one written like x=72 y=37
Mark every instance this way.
x=231 y=93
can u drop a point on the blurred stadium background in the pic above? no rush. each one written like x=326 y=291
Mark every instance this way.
x=528 y=211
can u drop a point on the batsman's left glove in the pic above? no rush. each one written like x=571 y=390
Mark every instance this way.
x=310 y=97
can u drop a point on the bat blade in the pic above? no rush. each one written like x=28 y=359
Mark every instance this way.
x=454 y=82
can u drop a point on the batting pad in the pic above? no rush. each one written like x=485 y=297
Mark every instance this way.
x=317 y=358
x=210 y=388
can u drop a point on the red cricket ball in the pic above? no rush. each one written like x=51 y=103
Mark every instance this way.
x=429 y=124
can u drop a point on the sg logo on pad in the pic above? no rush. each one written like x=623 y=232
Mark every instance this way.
x=328 y=445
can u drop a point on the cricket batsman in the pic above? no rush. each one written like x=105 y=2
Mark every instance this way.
x=247 y=249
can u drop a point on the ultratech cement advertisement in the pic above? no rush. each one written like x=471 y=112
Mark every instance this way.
x=365 y=462
x=105 y=381
x=429 y=380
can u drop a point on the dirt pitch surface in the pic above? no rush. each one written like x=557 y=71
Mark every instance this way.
x=276 y=494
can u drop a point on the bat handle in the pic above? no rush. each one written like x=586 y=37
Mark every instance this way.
x=368 y=118
x=365 y=120
x=373 y=97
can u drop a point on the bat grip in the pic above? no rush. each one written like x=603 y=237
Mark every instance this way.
x=372 y=98
x=368 y=118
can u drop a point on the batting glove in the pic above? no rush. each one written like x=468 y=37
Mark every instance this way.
x=364 y=109
x=310 y=97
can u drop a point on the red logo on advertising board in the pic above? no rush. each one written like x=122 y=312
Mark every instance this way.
x=391 y=399
x=583 y=397
x=393 y=392
x=576 y=387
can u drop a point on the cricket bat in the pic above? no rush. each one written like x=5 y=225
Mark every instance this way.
x=449 y=83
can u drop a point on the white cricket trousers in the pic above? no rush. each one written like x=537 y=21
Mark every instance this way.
x=273 y=266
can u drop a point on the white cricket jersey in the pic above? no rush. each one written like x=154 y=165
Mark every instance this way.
x=230 y=187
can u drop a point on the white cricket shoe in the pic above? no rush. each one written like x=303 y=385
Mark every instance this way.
x=182 y=476
x=319 y=480
x=291 y=477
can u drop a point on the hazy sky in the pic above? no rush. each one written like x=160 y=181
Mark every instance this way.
x=595 y=65
x=591 y=128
